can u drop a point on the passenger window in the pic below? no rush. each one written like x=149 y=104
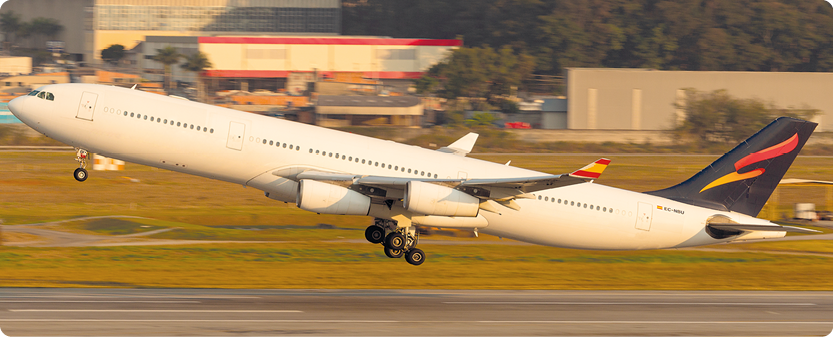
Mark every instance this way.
x=409 y=170
x=350 y=159
x=131 y=114
x=185 y=125
x=377 y=163
x=396 y=168
x=198 y=128
x=553 y=200
x=324 y=153
x=192 y=126
x=331 y=154
x=546 y=198
x=559 y=201
x=264 y=141
x=435 y=176
x=362 y=161
x=540 y=197
x=212 y=130
x=572 y=203
x=290 y=147
x=138 y=115
x=317 y=151
x=151 y=119
x=178 y=123
x=165 y=122
x=604 y=209
x=125 y=113
x=585 y=205
x=310 y=150
x=146 y=117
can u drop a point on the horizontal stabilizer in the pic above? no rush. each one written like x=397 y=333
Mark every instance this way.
x=760 y=228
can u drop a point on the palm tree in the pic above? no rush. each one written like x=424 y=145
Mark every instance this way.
x=167 y=56
x=197 y=63
x=9 y=24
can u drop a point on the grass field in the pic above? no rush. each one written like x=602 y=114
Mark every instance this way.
x=313 y=251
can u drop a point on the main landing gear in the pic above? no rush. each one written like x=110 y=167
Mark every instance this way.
x=81 y=157
x=398 y=242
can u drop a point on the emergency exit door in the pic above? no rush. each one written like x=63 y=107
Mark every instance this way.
x=644 y=213
x=87 y=106
x=236 y=131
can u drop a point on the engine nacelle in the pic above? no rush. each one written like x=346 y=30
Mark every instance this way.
x=432 y=199
x=318 y=197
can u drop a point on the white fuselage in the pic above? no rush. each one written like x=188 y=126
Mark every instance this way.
x=233 y=150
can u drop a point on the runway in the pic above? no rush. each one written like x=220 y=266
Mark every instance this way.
x=207 y=312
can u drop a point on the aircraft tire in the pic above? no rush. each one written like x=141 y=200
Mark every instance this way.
x=394 y=253
x=395 y=241
x=80 y=174
x=374 y=234
x=415 y=256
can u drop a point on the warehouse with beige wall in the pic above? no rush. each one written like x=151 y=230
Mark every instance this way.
x=645 y=99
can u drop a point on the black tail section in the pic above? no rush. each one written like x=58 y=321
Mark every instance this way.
x=743 y=179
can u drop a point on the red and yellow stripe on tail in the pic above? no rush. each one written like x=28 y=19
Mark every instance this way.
x=592 y=171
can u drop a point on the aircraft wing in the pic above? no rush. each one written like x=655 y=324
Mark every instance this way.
x=499 y=189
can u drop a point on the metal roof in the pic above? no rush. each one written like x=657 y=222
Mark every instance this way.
x=369 y=101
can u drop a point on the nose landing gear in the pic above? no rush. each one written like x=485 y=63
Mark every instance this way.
x=81 y=157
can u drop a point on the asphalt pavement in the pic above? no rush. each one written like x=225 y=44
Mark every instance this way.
x=212 y=312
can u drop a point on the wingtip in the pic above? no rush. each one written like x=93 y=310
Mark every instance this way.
x=593 y=170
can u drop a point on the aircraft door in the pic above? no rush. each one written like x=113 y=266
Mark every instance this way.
x=87 y=106
x=644 y=213
x=236 y=133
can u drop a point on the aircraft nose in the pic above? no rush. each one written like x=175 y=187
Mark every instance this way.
x=16 y=106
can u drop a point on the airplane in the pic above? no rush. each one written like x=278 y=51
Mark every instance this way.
x=402 y=186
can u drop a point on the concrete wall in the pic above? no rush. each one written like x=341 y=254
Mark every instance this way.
x=643 y=99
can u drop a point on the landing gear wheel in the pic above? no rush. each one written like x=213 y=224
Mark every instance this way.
x=394 y=253
x=374 y=234
x=415 y=256
x=395 y=241
x=80 y=174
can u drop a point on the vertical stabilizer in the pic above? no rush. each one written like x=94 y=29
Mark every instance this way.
x=743 y=179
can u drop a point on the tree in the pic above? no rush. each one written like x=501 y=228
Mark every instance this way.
x=197 y=63
x=43 y=28
x=717 y=117
x=481 y=119
x=480 y=72
x=167 y=56
x=113 y=54
x=9 y=24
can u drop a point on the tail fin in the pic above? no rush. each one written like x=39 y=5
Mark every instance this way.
x=743 y=179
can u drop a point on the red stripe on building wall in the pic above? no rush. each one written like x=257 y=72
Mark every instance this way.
x=284 y=73
x=330 y=41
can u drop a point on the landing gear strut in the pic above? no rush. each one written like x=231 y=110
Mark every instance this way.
x=398 y=242
x=81 y=157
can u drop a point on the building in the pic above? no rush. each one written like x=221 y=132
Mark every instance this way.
x=336 y=111
x=247 y=61
x=93 y=25
x=645 y=99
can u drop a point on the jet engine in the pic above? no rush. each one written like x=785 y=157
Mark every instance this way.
x=432 y=199
x=318 y=197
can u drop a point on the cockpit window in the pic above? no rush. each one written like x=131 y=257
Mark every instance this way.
x=43 y=95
